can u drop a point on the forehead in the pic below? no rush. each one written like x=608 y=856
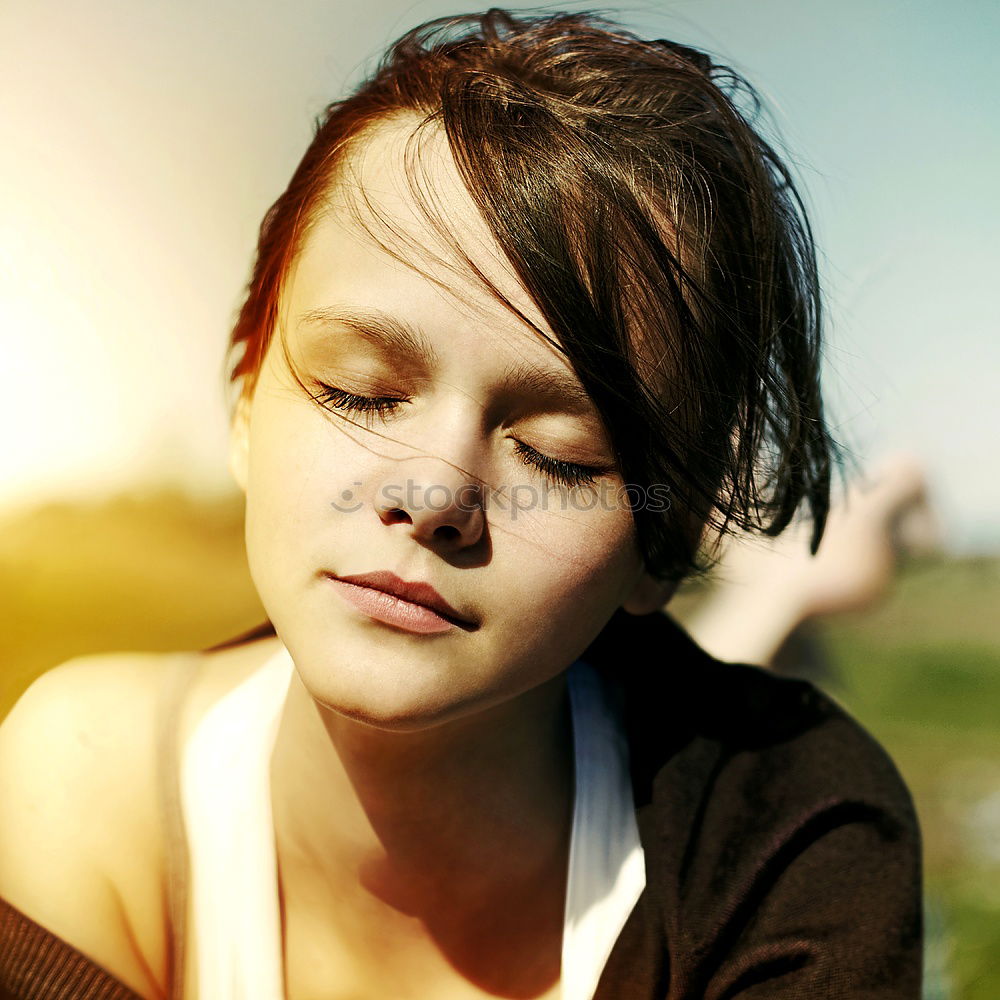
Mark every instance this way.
x=399 y=257
x=397 y=210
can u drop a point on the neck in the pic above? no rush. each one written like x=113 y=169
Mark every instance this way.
x=453 y=818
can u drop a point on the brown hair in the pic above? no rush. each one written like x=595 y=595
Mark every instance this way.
x=659 y=234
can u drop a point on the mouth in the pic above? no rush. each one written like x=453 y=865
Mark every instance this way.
x=414 y=607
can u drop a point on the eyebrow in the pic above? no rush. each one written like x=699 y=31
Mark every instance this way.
x=398 y=338
x=394 y=336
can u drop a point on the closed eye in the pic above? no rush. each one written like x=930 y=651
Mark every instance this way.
x=556 y=470
x=349 y=402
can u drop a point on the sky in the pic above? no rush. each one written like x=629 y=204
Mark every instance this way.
x=144 y=142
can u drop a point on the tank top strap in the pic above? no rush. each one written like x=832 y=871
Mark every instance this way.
x=176 y=683
x=234 y=925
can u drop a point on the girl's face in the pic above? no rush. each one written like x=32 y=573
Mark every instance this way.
x=449 y=445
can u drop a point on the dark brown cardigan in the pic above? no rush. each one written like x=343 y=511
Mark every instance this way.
x=782 y=849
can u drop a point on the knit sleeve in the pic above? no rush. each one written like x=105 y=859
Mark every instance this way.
x=803 y=877
x=840 y=920
x=35 y=964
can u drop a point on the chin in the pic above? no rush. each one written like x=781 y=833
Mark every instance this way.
x=386 y=680
x=391 y=714
x=386 y=695
x=390 y=718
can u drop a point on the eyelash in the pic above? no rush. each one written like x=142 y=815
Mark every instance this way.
x=554 y=469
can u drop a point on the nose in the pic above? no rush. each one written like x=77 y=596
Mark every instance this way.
x=441 y=502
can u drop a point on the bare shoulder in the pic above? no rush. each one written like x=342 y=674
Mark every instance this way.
x=82 y=848
x=77 y=807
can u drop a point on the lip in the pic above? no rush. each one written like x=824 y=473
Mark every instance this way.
x=415 y=600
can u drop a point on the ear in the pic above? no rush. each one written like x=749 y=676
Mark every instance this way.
x=648 y=595
x=239 y=441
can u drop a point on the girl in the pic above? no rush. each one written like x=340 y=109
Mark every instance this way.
x=534 y=322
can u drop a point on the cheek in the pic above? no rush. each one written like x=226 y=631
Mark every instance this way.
x=290 y=485
x=559 y=579
x=575 y=560
x=308 y=490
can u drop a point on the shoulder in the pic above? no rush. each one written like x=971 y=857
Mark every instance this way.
x=781 y=845
x=776 y=753
x=734 y=760
x=82 y=848
x=800 y=740
x=788 y=831
x=703 y=721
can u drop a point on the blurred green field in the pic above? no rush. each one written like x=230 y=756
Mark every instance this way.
x=922 y=672
x=139 y=572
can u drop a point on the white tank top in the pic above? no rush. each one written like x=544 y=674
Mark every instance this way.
x=226 y=804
